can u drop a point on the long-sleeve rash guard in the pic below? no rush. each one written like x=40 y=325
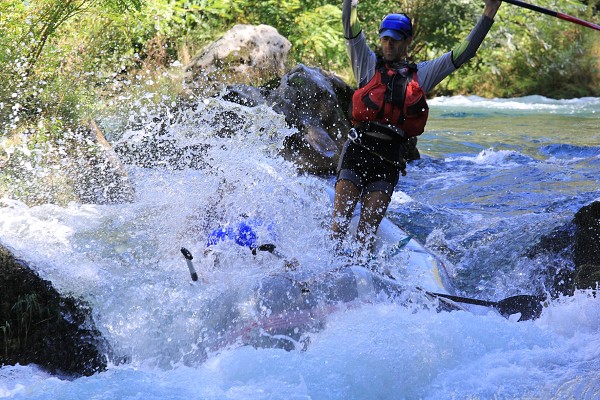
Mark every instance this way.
x=431 y=72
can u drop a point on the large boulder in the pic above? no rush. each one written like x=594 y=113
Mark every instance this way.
x=316 y=103
x=244 y=54
x=38 y=325
x=570 y=254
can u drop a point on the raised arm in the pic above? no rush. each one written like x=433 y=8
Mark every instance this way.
x=466 y=50
x=350 y=19
x=362 y=58
x=491 y=8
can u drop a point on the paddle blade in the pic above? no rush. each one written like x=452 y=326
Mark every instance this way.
x=269 y=247
x=530 y=307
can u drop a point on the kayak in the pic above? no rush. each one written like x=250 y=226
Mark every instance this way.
x=285 y=307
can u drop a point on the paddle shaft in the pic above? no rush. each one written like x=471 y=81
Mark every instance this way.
x=485 y=303
x=188 y=259
x=528 y=306
x=552 y=13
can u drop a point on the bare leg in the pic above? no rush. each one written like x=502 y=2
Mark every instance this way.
x=374 y=206
x=344 y=203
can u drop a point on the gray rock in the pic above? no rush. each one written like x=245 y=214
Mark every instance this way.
x=246 y=53
x=38 y=325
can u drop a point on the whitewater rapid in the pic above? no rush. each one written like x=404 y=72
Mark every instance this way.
x=494 y=177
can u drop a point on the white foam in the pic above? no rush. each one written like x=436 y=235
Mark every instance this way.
x=527 y=103
x=125 y=260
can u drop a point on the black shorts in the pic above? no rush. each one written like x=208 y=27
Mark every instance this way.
x=368 y=171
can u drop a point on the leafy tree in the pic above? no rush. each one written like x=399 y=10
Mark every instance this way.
x=46 y=16
x=37 y=78
x=317 y=38
x=531 y=53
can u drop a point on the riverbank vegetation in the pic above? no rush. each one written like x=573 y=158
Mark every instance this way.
x=58 y=56
x=67 y=61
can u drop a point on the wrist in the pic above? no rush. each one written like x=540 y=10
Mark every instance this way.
x=491 y=9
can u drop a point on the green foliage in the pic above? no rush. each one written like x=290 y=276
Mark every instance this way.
x=12 y=28
x=59 y=59
x=531 y=53
x=47 y=61
x=317 y=38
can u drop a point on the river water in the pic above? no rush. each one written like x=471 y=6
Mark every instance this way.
x=494 y=177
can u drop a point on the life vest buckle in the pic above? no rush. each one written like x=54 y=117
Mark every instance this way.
x=353 y=135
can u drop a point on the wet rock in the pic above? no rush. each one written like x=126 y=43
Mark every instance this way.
x=41 y=326
x=587 y=236
x=570 y=254
x=315 y=102
x=245 y=95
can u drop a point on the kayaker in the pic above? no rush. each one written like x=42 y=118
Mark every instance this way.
x=389 y=108
x=253 y=233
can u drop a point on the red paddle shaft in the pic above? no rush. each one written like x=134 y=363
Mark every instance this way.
x=556 y=14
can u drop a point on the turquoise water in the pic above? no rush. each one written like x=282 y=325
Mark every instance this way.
x=495 y=175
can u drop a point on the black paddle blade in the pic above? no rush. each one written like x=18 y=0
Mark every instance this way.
x=529 y=306
x=267 y=247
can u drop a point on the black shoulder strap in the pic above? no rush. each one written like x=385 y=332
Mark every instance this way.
x=396 y=87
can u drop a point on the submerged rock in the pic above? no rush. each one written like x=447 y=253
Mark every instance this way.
x=587 y=235
x=41 y=326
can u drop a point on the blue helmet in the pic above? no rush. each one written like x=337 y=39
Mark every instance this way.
x=244 y=233
x=396 y=26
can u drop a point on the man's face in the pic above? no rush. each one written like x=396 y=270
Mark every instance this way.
x=394 y=50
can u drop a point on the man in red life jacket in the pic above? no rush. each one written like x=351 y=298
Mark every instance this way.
x=389 y=108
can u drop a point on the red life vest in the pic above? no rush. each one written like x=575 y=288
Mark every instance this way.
x=392 y=98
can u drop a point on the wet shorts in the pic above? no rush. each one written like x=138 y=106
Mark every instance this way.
x=368 y=171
